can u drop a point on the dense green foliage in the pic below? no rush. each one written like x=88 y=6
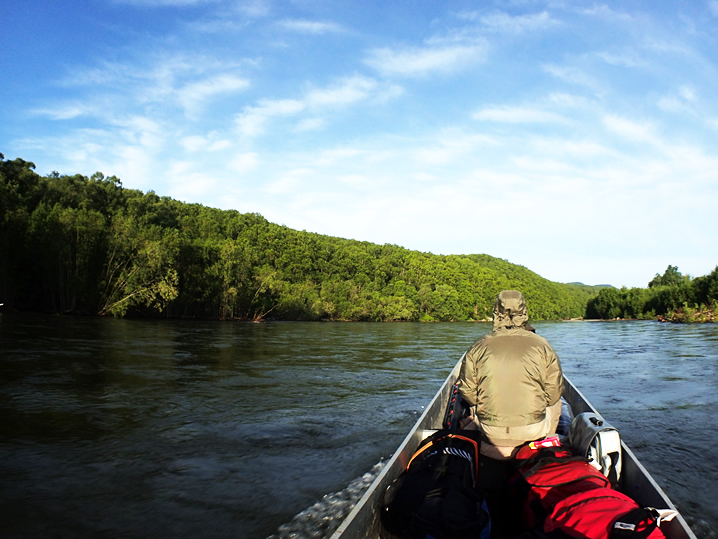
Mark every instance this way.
x=88 y=245
x=671 y=296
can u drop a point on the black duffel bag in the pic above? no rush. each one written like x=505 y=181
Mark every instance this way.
x=436 y=496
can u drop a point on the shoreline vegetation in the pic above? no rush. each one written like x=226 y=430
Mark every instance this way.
x=671 y=297
x=78 y=245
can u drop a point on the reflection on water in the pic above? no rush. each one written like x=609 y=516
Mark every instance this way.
x=166 y=428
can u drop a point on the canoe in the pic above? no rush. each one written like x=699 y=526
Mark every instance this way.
x=364 y=520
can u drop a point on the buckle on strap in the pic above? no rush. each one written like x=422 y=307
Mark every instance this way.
x=658 y=515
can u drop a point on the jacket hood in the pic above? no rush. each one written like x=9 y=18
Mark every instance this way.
x=510 y=310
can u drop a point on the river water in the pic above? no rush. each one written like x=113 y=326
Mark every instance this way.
x=128 y=428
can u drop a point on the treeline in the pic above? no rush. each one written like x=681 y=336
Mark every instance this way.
x=671 y=296
x=72 y=244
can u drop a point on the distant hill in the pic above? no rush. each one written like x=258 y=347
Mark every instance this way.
x=88 y=245
x=594 y=286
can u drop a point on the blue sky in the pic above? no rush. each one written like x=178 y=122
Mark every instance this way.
x=577 y=139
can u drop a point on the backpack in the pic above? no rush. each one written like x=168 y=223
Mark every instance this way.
x=547 y=475
x=592 y=437
x=436 y=496
x=602 y=513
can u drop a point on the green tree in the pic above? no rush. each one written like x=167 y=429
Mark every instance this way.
x=671 y=277
x=138 y=274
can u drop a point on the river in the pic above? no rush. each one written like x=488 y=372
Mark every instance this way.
x=138 y=428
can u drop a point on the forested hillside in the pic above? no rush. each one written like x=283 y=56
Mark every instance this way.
x=72 y=244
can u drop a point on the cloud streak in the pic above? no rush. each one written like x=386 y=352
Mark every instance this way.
x=253 y=120
x=165 y=3
x=518 y=115
x=421 y=61
x=195 y=94
x=504 y=23
x=311 y=27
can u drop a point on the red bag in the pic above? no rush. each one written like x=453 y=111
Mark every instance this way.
x=603 y=513
x=548 y=476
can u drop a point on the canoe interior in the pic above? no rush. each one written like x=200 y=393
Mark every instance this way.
x=363 y=521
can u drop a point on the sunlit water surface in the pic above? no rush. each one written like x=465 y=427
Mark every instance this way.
x=217 y=429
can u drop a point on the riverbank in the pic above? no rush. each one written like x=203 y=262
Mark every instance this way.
x=689 y=315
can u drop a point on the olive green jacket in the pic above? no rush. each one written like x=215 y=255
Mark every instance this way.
x=511 y=375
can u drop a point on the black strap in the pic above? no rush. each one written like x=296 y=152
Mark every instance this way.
x=626 y=527
x=613 y=473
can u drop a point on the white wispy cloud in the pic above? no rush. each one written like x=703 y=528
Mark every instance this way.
x=64 y=111
x=223 y=25
x=252 y=121
x=289 y=183
x=210 y=143
x=254 y=8
x=158 y=76
x=573 y=75
x=354 y=181
x=517 y=115
x=310 y=27
x=310 y=124
x=194 y=94
x=419 y=61
x=682 y=102
x=569 y=101
x=186 y=182
x=231 y=17
x=517 y=24
x=331 y=156
x=105 y=72
x=244 y=163
x=632 y=130
x=345 y=92
x=165 y=3
x=451 y=146
x=454 y=50
x=142 y=130
x=663 y=45
x=687 y=93
x=624 y=59
x=583 y=149
x=605 y=12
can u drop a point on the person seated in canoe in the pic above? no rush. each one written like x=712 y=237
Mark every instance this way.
x=513 y=381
